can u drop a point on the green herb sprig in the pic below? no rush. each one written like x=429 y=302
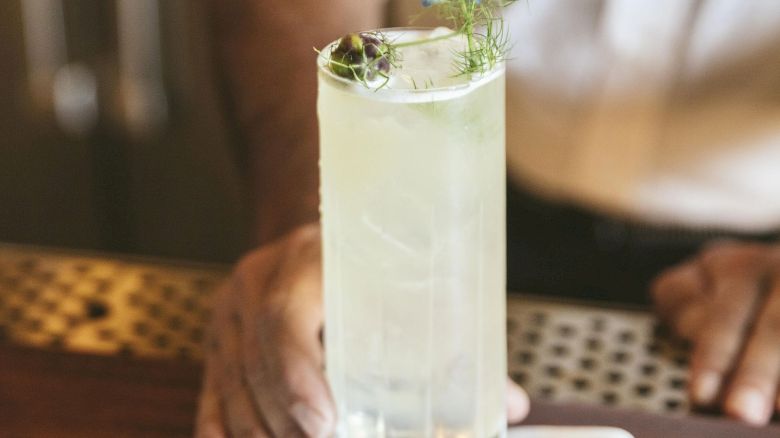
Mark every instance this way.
x=480 y=21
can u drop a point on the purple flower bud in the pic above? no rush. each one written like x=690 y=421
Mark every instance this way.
x=359 y=56
x=372 y=45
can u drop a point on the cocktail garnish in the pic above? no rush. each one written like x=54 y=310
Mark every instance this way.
x=368 y=57
x=363 y=57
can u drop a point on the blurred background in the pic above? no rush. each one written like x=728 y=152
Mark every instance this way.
x=113 y=134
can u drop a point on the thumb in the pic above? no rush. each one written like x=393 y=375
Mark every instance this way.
x=517 y=404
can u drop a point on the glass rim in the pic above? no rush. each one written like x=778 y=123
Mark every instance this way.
x=322 y=66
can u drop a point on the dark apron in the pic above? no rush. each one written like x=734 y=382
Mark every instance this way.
x=566 y=251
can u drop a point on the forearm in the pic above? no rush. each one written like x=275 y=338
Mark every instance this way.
x=266 y=50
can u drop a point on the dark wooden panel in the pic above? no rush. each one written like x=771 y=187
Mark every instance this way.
x=175 y=192
x=49 y=394
x=45 y=176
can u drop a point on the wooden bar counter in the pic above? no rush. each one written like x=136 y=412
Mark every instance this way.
x=57 y=394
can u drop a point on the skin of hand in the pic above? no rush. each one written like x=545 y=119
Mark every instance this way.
x=726 y=302
x=264 y=358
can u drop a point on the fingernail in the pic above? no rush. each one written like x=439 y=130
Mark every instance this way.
x=706 y=387
x=517 y=404
x=751 y=406
x=313 y=422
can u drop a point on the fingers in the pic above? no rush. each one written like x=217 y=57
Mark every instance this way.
x=209 y=423
x=517 y=404
x=677 y=293
x=753 y=390
x=264 y=366
x=241 y=419
x=689 y=321
x=735 y=290
x=283 y=356
x=241 y=416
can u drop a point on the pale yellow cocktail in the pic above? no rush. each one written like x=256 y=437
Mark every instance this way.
x=413 y=216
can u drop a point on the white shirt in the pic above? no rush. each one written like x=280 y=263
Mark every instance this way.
x=665 y=111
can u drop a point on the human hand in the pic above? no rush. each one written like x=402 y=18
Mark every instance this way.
x=726 y=301
x=264 y=359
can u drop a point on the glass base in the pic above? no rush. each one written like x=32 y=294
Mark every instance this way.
x=365 y=426
x=443 y=434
